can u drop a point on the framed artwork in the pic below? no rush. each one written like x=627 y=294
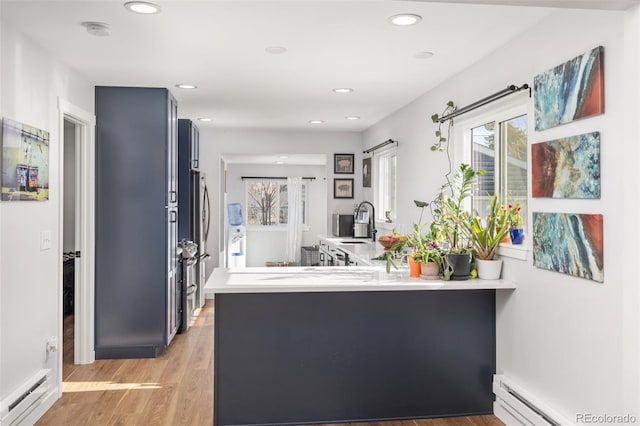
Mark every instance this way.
x=567 y=167
x=343 y=188
x=571 y=244
x=570 y=91
x=25 y=162
x=343 y=164
x=366 y=172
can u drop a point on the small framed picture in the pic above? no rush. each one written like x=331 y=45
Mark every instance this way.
x=366 y=172
x=343 y=188
x=343 y=164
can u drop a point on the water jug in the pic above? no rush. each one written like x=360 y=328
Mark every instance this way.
x=234 y=211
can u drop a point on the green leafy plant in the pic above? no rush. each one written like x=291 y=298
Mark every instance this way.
x=451 y=207
x=485 y=234
x=441 y=139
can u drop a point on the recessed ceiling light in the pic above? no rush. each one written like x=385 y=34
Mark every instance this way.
x=316 y=121
x=284 y=157
x=99 y=29
x=275 y=49
x=204 y=119
x=352 y=117
x=279 y=162
x=186 y=86
x=405 y=19
x=343 y=90
x=143 y=7
x=423 y=55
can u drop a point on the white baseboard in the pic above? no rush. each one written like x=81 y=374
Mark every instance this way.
x=42 y=408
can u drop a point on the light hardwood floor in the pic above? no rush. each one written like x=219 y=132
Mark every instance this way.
x=174 y=389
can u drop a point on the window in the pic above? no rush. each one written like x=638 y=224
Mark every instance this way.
x=267 y=203
x=385 y=186
x=500 y=147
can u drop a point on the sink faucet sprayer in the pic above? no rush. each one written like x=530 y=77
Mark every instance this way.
x=372 y=219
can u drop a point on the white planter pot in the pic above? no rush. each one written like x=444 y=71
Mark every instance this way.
x=489 y=269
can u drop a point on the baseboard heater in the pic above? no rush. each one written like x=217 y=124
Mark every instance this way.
x=23 y=401
x=514 y=404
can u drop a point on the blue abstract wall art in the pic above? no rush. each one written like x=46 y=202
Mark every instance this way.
x=569 y=243
x=567 y=167
x=570 y=91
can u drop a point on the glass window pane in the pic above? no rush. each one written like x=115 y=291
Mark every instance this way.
x=483 y=156
x=514 y=139
x=262 y=203
x=283 y=216
x=305 y=220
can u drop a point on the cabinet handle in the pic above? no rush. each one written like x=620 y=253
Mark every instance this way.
x=196 y=164
x=173 y=216
x=173 y=195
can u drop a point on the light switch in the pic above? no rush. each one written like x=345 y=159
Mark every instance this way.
x=45 y=240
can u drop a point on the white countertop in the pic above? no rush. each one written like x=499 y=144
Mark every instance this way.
x=333 y=278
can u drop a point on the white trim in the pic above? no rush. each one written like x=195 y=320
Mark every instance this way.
x=85 y=232
x=377 y=175
x=514 y=251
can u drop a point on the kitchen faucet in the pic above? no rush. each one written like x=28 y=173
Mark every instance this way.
x=372 y=219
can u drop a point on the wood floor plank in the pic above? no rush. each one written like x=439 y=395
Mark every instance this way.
x=175 y=389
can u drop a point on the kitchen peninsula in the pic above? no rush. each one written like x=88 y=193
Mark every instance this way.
x=338 y=344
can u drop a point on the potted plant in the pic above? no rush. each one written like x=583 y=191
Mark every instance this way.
x=421 y=245
x=517 y=231
x=431 y=259
x=448 y=209
x=485 y=236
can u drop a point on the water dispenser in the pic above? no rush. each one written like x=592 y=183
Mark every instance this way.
x=237 y=237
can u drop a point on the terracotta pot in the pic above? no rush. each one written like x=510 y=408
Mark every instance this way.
x=430 y=270
x=414 y=267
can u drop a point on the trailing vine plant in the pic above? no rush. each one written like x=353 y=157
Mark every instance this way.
x=439 y=145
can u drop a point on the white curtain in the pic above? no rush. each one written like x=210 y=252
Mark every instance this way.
x=294 y=222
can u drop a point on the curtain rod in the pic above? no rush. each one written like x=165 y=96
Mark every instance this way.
x=380 y=145
x=511 y=89
x=273 y=177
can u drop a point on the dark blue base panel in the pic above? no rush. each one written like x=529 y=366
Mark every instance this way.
x=296 y=358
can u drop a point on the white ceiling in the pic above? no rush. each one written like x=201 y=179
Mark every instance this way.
x=220 y=47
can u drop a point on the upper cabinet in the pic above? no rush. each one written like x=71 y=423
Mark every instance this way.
x=189 y=137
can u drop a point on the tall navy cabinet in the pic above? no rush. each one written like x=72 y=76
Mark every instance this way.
x=188 y=161
x=136 y=303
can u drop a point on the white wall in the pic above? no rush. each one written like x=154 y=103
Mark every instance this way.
x=217 y=141
x=570 y=341
x=31 y=83
x=269 y=245
x=68 y=241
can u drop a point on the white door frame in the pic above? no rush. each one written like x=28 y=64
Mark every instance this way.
x=84 y=351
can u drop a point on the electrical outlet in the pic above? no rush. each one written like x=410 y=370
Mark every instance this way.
x=45 y=240
x=51 y=346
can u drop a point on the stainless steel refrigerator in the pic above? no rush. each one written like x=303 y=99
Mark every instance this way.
x=194 y=206
x=200 y=226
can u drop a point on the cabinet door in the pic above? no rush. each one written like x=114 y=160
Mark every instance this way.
x=195 y=147
x=172 y=150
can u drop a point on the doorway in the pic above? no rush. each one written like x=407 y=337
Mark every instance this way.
x=69 y=201
x=76 y=230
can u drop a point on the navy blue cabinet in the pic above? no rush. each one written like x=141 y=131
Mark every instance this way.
x=136 y=311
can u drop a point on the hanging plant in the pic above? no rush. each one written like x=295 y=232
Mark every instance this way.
x=441 y=139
